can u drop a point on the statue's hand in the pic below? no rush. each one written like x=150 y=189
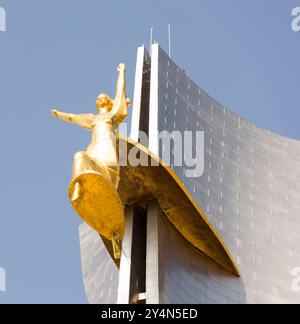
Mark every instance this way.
x=122 y=67
x=54 y=113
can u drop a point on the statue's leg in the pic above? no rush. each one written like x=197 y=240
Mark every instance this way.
x=82 y=163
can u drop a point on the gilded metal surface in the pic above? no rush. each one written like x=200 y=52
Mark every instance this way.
x=93 y=189
x=145 y=182
x=99 y=204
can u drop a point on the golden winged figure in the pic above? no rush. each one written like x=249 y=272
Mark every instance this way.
x=93 y=189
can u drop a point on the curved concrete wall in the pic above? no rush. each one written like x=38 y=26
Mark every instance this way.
x=250 y=191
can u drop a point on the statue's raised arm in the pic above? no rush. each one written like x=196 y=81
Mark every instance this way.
x=120 y=103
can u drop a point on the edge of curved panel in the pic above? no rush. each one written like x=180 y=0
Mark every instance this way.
x=140 y=183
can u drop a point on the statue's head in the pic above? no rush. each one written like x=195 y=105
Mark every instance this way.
x=104 y=103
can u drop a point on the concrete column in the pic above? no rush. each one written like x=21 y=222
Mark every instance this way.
x=125 y=262
x=152 y=275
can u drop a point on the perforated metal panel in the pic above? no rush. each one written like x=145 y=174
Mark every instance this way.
x=250 y=191
x=100 y=274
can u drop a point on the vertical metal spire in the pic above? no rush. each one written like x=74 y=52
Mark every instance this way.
x=169 y=37
x=151 y=38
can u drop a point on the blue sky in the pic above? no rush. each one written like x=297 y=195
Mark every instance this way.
x=63 y=53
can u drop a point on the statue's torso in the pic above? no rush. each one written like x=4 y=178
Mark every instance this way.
x=103 y=143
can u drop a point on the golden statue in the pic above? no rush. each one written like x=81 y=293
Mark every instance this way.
x=96 y=174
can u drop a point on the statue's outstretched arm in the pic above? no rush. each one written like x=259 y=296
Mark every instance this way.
x=121 y=103
x=84 y=120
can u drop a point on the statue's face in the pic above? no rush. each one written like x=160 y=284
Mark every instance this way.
x=104 y=103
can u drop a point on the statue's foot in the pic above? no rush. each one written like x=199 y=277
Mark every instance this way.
x=76 y=192
x=116 y=247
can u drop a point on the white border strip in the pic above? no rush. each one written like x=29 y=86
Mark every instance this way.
x=153 y=109
x=137 y=100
